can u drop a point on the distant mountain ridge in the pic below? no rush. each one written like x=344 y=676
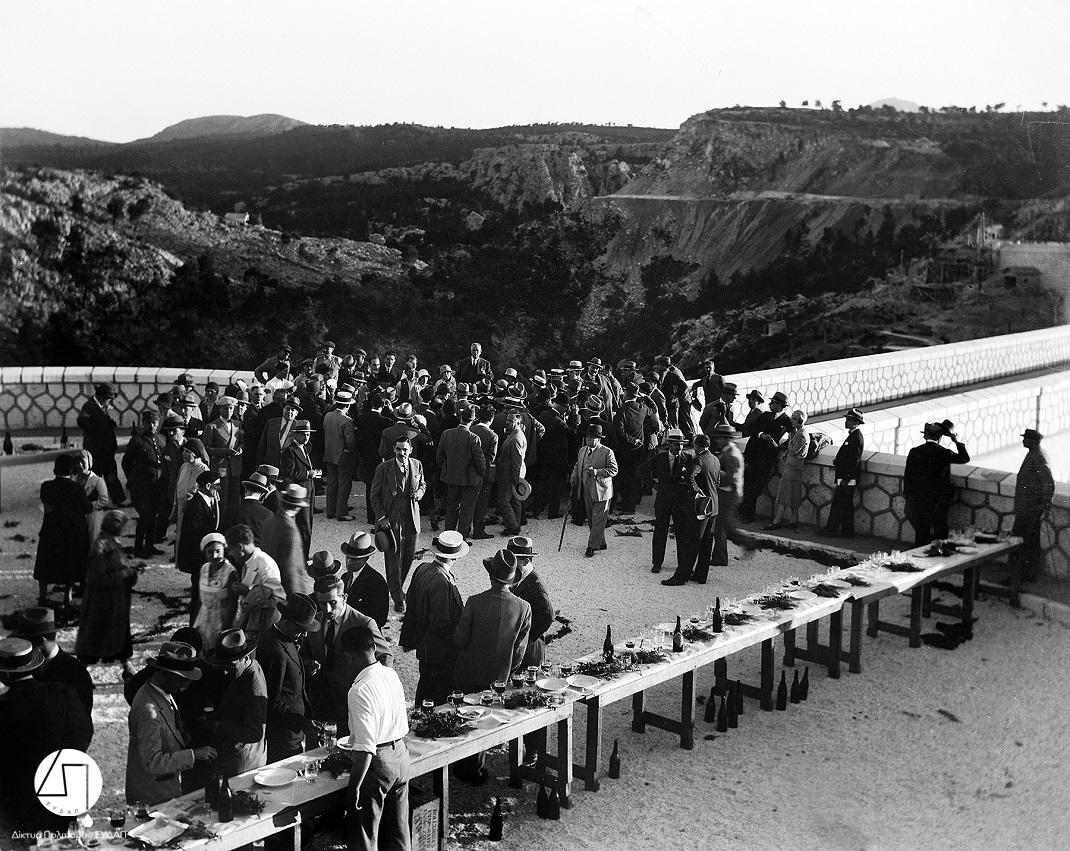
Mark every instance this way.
x=267 y=124
x=19 y=137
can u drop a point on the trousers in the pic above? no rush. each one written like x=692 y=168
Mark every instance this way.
x=597 y=514
x=1031 y=557
x=339 y=478
x=399 y=562
x=841 y=520
x=461 y=508
x=724 y=529
x=380 y=819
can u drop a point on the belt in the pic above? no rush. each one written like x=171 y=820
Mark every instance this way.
x=392 y=744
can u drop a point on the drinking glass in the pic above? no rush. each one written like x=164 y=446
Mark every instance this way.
x=499 y=689
x=312 y=770
x=517 y=679
x=330 y=735
x=117 y=817
x=547 y=668
x=566 y=670
x=457 y=697
x=428 y=706
x=487 y=697
x=532 y=673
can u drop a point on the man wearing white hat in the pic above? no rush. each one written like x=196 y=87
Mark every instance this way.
x=224 y=441
x=339 y=456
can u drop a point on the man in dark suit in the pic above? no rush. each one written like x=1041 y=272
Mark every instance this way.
x=405 y=426
x=200 y=518
x=848 y=463
x=510 y=468
x=700 y=498
x=143 y=465
x=488 y=440
x=927 y=484
x=397 y=488
x=711 y=384
x=339 y=456
x=434 y=610
x=173 y=428
x=764 y=435
x=474 y=368
x=635 y=428
x=284 y=672
x=250 y=511
x=554 y=459
x=669 y=466
x=369 y=427
x=296 y=469
x=460 y=456
x=99 y=438
x=366 y=588
x=38 y=626
x=278 y=434
x=188 y=409
x=330 y=672
x=677 y=395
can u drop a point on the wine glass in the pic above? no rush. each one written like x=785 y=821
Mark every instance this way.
x=117 y=817
x=566 y=670
x=312 y=770
x=499 y=689
x=487 y=697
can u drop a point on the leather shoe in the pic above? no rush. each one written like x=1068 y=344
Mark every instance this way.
x=482 y=536
x=347 y=518
x=603 y=546
x=589 y=553
x=674 y=580
x=656 y=568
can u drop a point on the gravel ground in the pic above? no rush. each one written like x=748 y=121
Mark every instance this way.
x=926 y=748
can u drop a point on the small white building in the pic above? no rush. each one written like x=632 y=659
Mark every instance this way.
x=236 y=218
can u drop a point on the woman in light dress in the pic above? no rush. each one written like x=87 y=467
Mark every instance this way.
x=96 y=490
x=219 y=599
x=789 y=496
x=194 y=462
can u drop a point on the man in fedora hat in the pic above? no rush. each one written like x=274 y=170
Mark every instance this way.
x=339 y=456
x=224 y=441
x=330 y=672
x=434 y=610
x=260 y=585
x=700 y=508
x=285 y=542
x=271 y=498
x=848 y=465
x=366 y=588
x=927 y=484
x=239 y=723
x=488 y=441
x=765 y=435
x=284 y=673
x=592 y=478
x=636 y=427
x=755 y=408
x=278 y=432
x=144 y=468
x=201 y=516
x=187 y=408
x=296 y=469
x=677 y=394
x=38 y=626
x=463 y=465
x=529 y=587
x=669 y=466
x=397 y=488
x=510 y=468
x=329 y=361
x=1034 y=488
x=36 y=719
x=369 y=427
x=406 y=426
x=251 y=511
x=602 y=384
x=554 y=455
x=98 y=428
x=159 y=749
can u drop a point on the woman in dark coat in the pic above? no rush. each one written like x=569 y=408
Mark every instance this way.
x=63 y=543
x=104 y=627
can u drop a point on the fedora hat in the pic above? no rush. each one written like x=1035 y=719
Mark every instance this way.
x=556 y=372
x=257 y=481
x=300 y=609
x=725 y=430
x=501 y=566
x=294 y=496
x=268 y=472
x=358 y=378
x=595 y=403
x=177 y=657
x=674 y=435
x=403 y=412
x=538 y=380
x=521 y=546
x=233 y=645
x=757 y=396
x=1032 y=434
x=34 y=621
x=187 y=400
x=359 y=545
x=450 y=544
x=104 y=391
x=626 y=364
x=574 y=364
x=730 y=387
x=517 y=391
x=324 y=564
x=227 y=402
x=510 y=373
x=933 y=431
x=18 y=656
x=303 y=426
x=171 y=422
x=663 y=360
x=343 y=397
x=780 y=398
x=291 y=402
x=212 y=538
x=522 y=490
x=594 y=430
x=856 y=415
x=703 y=505
x=386 y=540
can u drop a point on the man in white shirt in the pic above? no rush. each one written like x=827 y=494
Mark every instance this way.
x=377 y=800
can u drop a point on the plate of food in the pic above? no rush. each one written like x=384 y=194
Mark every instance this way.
x=275 y=777
x=552 y=684
x=471 y=713
x=583 y=681
x=159 y=831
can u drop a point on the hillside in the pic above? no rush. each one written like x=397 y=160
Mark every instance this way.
x=226 y=125
x=13 y=138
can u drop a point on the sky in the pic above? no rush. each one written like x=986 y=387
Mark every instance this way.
x=118 y=70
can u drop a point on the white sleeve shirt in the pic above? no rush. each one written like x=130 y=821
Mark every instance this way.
x=377 y=710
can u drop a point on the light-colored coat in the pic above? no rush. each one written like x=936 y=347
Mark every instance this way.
x=511 y=467
x=604 y=462
x=157 y=750
x=339 y=439
x=397 y=497
x=257 y=610
x=460 y=455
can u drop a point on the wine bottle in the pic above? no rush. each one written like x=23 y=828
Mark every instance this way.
x=553 y=810
x=8 y=446
x=733 y=716
x=739 y=698
x=614 y=762
x=542 y=802
x=782 y=692
x=804 y=686
x=722 y=716
x=716 y=621
x=678 y=637
x=796 y=689
x=607 y=645
x=495 y=834
x=225 y=803
x=710 y=713
x=63 y=439
x=211 y=789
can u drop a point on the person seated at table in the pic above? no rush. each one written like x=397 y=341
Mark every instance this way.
x=377 y=798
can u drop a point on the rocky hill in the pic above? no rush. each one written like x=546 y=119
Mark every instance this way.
x=226 y=125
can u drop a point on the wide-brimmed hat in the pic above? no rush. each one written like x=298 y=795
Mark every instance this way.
x=730 y=387
x=450 y=544
x=386 y=541
x=556 y=372
x=595 y=362
x=574 y=364
x=233 y=645
x=756 y=395
x=324 y=564
x=510 y=372
x=257 y=481
x=294 y=496
x=226 y=402
x=18 y=656
x=187 y=400
x=780 y=398
x=213 y=538
x=303 y=426
x=595 y=403
x=501 y=566
x=358 y=378
x=171 y=422
x=1032 y=434
x=933 y=431
x=522 y=490
x=268 y=472
x=403 y=412
x=104 y=391
x=538 y=380
x=177 y=657
x=856 y=415
x=359 y=545
x=292 y=402
x=626 y=364
x=300 y=609
x=594 y=430
x=343 y=397
x=725 y=430
x=521 y=546
x=674 y=435
x=34 y=621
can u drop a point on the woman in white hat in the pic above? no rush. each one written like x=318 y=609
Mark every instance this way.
x=219 y=600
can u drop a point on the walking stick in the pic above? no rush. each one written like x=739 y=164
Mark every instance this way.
x=568 y=514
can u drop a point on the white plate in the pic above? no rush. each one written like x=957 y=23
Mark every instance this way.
x=488 y=722
x=276 y=777
x=802 y=594
x=583 y=681
x=471 y=712
x=346 y=743
x=552 y=684
x=158 y=831
x=836 y=583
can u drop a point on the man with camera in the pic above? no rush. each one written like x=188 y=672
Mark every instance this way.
x=927 y=484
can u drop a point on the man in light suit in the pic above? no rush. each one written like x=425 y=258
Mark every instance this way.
x=397 y=488
x=224 y=442
x=460 y=456
x=278 y=434
x=339 y=456
x=475 y=368
x=592 y=476
x=510 y=469
x=295 y=468
x=158 y=753
x=331 y=671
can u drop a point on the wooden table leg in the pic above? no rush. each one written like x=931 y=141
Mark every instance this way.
x=789 y=648
x=297 y=834
x=594 y=743
x=564 y=761
x=857 y=613
x=873 y=615
x=440 y=784
x=687 y=711
x=835 y=643
x=515 y=780
x=927 y=601
x=638 y=708
x=720 y=676
x=766 y=701
x=969 y=591
x=915 y=616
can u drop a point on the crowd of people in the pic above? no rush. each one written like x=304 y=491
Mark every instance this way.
x=285 y=646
